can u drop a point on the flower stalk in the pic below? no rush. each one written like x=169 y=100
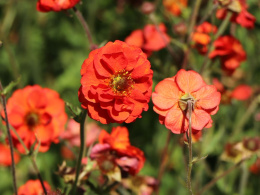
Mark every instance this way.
x=81 y=150
x=189 y=137
x=9 y=139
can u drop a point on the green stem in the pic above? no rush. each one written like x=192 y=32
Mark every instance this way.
x=220 y=31
x=38 y=173
x=213 y=181
x=10 y=140
x=243 y=179
x=81 y=151
x=190 y=104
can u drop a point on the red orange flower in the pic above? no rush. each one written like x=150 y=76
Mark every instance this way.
x=115 y=150
x=201 y=36
x=255 y=168
x=240 y=14
x=170 y=101
x=149 y=39
x=230 y=51
x=33 y=187
x=242 y=92
x=5 y=156
x=55 y=5
x=116 y=83
x=175 y=6
x=36 y=111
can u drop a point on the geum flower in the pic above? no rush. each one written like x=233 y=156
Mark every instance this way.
x=114 y=150
x=202 y=36
x=149 y=39
x=240 y=14
x=5 y=156
x=55 y=5
x=35 y=111
x=33 y=187
x=170 y=102
x=116 y=83
x=230 y=51
x=175 y=6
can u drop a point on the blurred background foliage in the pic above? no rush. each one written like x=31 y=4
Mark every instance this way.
x=48 y=49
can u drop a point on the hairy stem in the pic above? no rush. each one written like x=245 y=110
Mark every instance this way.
x=190 y=104
x=9 y=139
x=81 y=151
x=85 y=26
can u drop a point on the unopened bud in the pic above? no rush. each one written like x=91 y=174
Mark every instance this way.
x=147 y=7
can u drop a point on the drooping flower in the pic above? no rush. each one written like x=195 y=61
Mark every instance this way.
x=230 y=51
x=202 y=36
x=240 y=14
x=170 y=101
x=33 y=187
x=5 y=156
x=35 y=111
x=115 y=150
x=116 y=83
x=72 y=133
x=55 y=5
x=175 y=6
x=149 y=39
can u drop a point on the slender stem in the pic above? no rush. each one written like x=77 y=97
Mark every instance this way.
x=85 y=26
x=243 y=179
x=220 y=31
x=193 y=19
x=164 y=159
x=81 y=151
x=212 y=9
x=240 y=124
x=10 y=140
x=213 y=181
x=38 y=173
x=20 y=140
x=190 y=104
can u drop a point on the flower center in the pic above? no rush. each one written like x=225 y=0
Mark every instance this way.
x=183 y=101
x=32 y=119
x=121 y=82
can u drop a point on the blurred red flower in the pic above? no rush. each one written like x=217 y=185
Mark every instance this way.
x=55 y=5
x=242 y=92
x=201 y=36
x=230 y=51
x=149 y=39
x=240 y=16
x=72 y=133
x=170 y=101
x=255 y=168
x=116 y=149
x=116 y=83
x=33 y=187
x=5 y=156
x=36 y=111
x=175 y=6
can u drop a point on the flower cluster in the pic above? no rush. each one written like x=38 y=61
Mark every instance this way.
x=170 y=101
x=150 y=38
x=202 y=36
x=116 y=83
x=36 y=112
x=114 y=150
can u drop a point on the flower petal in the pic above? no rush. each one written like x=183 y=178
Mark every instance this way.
x=176 y=121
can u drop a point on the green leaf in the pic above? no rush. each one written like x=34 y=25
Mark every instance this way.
x=11 y=85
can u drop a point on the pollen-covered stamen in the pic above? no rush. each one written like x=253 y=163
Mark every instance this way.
x=32 y=119
x=183 y=101
x=121 y=82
